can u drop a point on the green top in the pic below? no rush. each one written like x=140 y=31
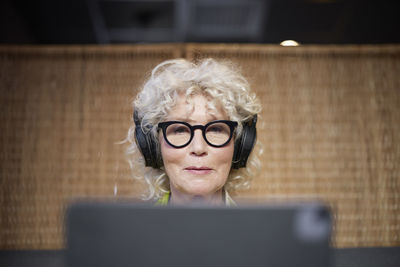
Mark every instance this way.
x=164 y=200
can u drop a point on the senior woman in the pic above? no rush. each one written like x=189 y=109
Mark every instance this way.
x=195 y=128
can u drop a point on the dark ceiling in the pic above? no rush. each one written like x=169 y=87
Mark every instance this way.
x=243 y=21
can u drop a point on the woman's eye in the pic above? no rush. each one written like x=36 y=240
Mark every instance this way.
x=181 y=129
x=215 y=129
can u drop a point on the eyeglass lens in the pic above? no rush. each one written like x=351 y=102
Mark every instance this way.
x=179 y=134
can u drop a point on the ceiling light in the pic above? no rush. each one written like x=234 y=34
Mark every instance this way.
x=289 y=43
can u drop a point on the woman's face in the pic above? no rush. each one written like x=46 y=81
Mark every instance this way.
x=196 y=169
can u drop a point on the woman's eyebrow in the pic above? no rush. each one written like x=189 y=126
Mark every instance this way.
x=179 y=119
x=191 y=121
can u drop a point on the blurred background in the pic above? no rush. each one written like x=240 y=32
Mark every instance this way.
x=331 y=106
x=241 y=21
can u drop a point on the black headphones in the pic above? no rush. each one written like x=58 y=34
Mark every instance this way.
x=243 y=145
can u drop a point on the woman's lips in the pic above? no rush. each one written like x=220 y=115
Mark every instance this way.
x=199 y=170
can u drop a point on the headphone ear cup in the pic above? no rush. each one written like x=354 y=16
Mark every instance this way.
x=146 y=144
x=244 y=145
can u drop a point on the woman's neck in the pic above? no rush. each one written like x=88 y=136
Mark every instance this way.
x=180 y=198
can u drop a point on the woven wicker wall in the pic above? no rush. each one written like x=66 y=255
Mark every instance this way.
x=63 y=111
x=330 y=118
x=332 y=131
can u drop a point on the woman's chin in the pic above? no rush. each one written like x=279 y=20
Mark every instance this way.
x=202 y=191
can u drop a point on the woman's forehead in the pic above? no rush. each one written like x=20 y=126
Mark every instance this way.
x=192 y=107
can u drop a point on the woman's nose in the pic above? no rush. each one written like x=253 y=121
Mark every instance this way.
x=198 y=146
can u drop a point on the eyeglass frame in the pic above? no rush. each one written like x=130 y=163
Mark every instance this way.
x=163 y=126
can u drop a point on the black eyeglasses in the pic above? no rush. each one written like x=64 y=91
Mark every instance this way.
x=179 y=134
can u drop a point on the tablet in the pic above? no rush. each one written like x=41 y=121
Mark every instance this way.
x=131 y=234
